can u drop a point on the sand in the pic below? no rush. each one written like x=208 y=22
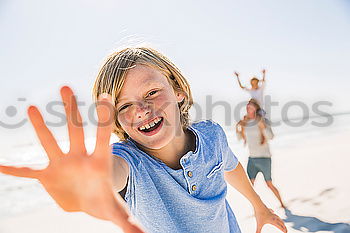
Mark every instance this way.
x=310 y=170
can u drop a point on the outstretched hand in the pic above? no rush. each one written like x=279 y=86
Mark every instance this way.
x=76 y=180
x=266 y=216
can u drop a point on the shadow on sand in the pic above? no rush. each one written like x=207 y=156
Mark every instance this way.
x=312 y=224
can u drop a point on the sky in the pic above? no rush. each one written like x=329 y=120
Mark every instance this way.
x=304 y=46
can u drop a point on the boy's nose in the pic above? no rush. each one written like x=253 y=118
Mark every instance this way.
x=142 y=109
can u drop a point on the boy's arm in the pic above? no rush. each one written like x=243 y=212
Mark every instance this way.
x=239 y=81
x=239 y=180
x=76 y=180
x=120 y=173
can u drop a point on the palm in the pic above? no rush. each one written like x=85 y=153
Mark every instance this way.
x=78 y=181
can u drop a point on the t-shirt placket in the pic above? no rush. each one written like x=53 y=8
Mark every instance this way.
x=190 y=175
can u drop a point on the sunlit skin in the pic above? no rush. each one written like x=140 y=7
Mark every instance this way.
x=254 y=83
x=147 y=94
x=76 y=180
x=251 y=111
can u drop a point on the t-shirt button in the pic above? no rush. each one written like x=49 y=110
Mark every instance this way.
x=189 y=173
x=194 y=187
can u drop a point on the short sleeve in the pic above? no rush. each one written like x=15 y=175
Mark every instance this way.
x=229 y=159
x=125 y=152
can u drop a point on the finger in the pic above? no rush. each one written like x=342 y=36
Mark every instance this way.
x=45 y=136
x=279 y=224
x=20 y=171
x=105 y=112
x=283 y=226
x=258 y=228
x=74 y=121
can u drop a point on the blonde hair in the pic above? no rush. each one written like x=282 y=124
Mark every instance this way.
x=111 y=78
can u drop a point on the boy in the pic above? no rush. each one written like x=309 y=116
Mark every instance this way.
x=174 y=172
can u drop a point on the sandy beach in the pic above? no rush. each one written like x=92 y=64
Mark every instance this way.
x=311 y=173
x=310 y=167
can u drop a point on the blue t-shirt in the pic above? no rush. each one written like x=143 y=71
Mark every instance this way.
x=188 y=200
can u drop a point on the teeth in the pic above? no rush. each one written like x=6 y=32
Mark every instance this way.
x=149 y=125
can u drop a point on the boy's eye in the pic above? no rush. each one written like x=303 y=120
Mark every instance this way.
x=124 y=107
x=152 y=93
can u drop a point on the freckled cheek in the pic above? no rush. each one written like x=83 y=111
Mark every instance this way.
x=169 y=109
x=163 y=104
x=126 y=119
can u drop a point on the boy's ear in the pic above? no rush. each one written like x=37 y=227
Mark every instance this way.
x=180 y=97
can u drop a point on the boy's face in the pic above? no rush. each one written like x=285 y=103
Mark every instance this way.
x=148 y=107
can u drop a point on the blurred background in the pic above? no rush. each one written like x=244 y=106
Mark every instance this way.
x=303 y=45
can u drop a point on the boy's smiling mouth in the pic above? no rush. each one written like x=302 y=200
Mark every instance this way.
x=152 y=127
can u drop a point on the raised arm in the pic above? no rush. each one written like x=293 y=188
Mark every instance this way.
x=263 y=72
x=76 y=180
x=239 y=81
x=239 y=180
